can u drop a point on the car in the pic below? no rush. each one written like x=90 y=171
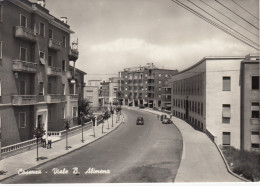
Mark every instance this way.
x=167 y=121
x=140 y=121
x=155 y=108
x=163 y=117
x=141 y=106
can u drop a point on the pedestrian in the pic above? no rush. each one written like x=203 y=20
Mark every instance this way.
x=158 y=116
x=171 y=116
x=123 y=119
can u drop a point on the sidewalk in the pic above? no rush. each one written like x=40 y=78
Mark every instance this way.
x=27 y=160
x=201 y=160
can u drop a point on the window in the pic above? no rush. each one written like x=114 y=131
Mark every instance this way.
x=63 y=65
x=42 y=30
x=41 y=88
x=159 y=96
x=22 y=88
x=0 y=87
x=22 y=119
x=1 y=49
x=226 y=138
x=75 y=111
x=49 y=115
x=226 y=111
x=226 y=84
x=64 y=41
x=63 y=116
x=166 y=75
x=1 y=13
x=255 y=110
x=160 y=75
x=160 y=82
x=63 y=89
x=160 y=89
x=255 y=82
x=50 y=61
x=50 y=34
x=23 y=54
x=23 y=21
x=255 y=139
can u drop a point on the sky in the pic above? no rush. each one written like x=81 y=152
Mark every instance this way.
x=118 y=34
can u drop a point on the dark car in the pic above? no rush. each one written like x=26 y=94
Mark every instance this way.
x=140 y=121
x=155 y=108
x=163 y=117
x=141 y=106
x=167 y=121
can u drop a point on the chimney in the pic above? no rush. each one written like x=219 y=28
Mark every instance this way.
x=41 y=2
x=64 y=19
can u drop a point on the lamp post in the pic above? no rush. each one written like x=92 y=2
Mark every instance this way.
x=112 y=112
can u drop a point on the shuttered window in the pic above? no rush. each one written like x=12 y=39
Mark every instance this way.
x=255 y=82
x=255 y=110
x=226 y=138
x=226 y=84
x=226 y=111
x=255 y=138
x=22 y=119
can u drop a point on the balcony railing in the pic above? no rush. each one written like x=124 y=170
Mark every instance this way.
x=54 y=44
x=53 y=71
x=24 y=66
x=73 y=54
x=24 y=100
x=25 y=34
x=53 y=98
x=73 y=97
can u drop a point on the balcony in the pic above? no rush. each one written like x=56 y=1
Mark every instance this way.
x=25 y=34
x=150 y=84
x=24 y=66
x=53 y=71
x=73 y=54
x=72 y=97
x=20 y=100
x=150 y=77
x=254 y=121
x=54 y=44
x=53 y=98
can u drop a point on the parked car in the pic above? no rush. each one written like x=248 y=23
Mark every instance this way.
x=141 y=106
x=163 y=117
x=167 y=121
x=140 y=121
x=155 y=108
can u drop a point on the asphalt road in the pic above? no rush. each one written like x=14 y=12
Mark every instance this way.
x=130 y=154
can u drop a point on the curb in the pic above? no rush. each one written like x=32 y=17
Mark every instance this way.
x=63 y=154
x=228 y=168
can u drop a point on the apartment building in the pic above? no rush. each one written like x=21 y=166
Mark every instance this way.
x=250 y=96
x=143 y=85
x=113 y=87
x=37 y=85
x=207 y=95
x=104 y=93
x=91 y=92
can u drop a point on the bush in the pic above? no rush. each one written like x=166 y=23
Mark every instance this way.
x=244 y=163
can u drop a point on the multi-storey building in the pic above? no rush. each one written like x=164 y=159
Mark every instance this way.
x=113 y=86
x=37 y=86
x=104 y=93
x=91 y=92
x=207 y=95
x=143 y=85
x=250 y=96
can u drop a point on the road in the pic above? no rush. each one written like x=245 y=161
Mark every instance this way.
x=130 y=154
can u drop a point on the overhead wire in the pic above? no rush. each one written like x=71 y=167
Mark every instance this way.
x=244 y=9
x=229 y=18
x=236 y=14
x=213 y=23
x=225 y=24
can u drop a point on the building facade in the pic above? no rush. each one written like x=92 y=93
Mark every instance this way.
x=37 y=85
x=250 y=96
x=91 y=92
x=113 y=87
x=144 y=85
x=207 y=95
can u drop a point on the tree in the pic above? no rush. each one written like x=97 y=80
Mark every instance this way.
x=67 y=123
x=38 y=133
x=84 y=106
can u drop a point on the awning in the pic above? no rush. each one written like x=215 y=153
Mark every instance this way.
x=42 y=61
